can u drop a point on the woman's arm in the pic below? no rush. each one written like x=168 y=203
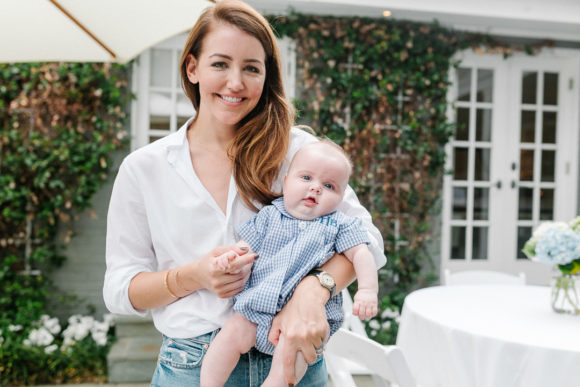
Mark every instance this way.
x=149 y=290
x=303 y=319
x=133 y=282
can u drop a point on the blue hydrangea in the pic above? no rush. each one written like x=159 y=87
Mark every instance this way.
x=557 y=246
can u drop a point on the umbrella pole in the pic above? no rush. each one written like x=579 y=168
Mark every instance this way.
x=71 y=17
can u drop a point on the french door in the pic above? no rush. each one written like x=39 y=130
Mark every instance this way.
x=513 y=160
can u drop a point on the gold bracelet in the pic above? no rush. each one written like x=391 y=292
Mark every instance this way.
x=167 y=286
x=177 y=282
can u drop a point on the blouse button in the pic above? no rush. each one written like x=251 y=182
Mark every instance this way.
x=302 y=225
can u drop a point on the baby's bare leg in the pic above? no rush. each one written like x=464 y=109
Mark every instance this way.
x=276 y=376
x=237 y=336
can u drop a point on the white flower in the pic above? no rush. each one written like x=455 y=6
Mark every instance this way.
x=543 y=227
x=374 y=324
x=99 y=337
x=50 y=349
x=14 y=328
x=39 y=337
x=386 y=325
x=390 y=313
x=51 y=324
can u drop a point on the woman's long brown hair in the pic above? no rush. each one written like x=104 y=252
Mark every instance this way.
x=262 y=138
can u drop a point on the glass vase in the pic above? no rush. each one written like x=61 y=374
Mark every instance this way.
x=565 y=293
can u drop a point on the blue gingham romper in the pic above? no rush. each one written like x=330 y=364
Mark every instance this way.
x=288 y=249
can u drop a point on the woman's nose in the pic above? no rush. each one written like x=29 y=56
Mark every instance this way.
x=235 y=81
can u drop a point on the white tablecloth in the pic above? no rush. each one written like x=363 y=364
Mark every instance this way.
x=489 y=336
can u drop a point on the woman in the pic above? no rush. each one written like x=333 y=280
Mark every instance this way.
x=175 y=200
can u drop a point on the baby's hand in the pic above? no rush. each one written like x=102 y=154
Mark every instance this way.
x=365 y=304
x=222 y=262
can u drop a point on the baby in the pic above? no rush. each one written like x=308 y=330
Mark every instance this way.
x=295 y=234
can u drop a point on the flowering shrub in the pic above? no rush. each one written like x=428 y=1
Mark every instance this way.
x=556 y=243
x=43 y=352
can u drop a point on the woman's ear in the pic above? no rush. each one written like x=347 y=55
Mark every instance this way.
x=191 y=69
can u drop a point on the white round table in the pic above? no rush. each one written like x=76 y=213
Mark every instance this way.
x=489 y=335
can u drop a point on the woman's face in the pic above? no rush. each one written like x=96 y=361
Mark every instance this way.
x=231 y=71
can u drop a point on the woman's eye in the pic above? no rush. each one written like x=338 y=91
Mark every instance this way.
x=253 y=69
x=219 y=65
x=329 y=186
x=305 y=177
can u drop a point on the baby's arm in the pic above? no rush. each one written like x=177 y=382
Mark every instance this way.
x=223 y=261
x=365 y=299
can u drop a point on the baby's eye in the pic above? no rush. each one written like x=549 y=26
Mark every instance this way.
x=329 y=186
x=305 y=177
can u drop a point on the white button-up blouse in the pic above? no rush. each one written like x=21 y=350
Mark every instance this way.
x=161 y=216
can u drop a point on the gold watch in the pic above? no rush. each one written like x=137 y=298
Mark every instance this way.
x=325 y=279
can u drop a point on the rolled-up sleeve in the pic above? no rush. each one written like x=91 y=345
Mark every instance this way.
x=351 y=206
x=129 y=248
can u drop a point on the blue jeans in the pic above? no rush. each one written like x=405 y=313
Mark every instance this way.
x=180 y=361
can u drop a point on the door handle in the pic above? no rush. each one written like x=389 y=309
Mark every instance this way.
x=513 y=184
x=498 y=184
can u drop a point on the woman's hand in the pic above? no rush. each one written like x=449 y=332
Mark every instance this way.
x=304 y=324
x=224 y=283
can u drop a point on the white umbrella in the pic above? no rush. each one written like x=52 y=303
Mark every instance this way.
x=90 y=30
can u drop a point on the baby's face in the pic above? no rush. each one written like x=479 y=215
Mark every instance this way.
x=315 y=183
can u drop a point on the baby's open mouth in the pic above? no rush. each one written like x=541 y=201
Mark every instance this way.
x=309 y=200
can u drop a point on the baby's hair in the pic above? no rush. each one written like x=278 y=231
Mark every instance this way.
x=327 y=141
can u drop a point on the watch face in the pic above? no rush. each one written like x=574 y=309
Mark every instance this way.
x=326 y=280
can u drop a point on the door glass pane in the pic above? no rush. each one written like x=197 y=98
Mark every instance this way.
x=460 y=168
x=484 y=85
x=464 y=83
x=529 y=87
x=549 y=127
x=160 y=64
x=528 y=126
x=483 y=125
x=525 y=202
x=159 y=122
x=523 y=235
x=550 y=88
x=479 y=243
x=546 y=204
x=457 y=242
x=160 y=103
x=526 y=165
x=548 y=165
x=462 y=130
x=482 y=161
x=480 y=203
x=459 y=202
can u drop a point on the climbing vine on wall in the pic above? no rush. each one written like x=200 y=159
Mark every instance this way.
x=59 y=124
x=379 y=88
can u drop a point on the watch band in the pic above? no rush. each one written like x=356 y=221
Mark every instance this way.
x=325 y=279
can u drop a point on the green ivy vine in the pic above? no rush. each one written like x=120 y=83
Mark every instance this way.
x=59 y=124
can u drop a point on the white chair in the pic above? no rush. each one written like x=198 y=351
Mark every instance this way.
x=387 y=362
x=350 y=351
x=482 y=277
